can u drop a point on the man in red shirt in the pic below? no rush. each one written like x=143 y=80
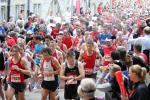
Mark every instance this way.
x=67 y=39
x=55 y=30
x=108 y=48
x=95 y=34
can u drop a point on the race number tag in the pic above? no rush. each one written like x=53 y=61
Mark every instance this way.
x=107 y=58
x=48 y=68
x=49 y=78
x=72 y=81
x=15 y=78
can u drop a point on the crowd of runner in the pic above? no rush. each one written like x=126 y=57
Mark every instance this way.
x=76 y=55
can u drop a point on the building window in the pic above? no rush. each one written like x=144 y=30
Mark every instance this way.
x=3 y=12
x=37 y=9
x=3 y=0
x=19 y=8
x=17 y=11
x=22 y=7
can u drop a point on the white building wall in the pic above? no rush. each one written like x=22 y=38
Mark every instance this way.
x=46 y=6
x=3 y=16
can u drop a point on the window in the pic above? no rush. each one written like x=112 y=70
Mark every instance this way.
x=3 y=0
x=37 y=9
x=3 y=12
x=18 y=9
x=22 y=7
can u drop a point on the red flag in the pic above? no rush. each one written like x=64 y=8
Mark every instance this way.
x=139 y=23
x=99 y=9
x=78 y=7
x=138 y=2
x=113 y=3
x=119 y=77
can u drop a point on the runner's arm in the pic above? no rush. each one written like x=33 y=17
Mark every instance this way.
x=81 y=71
x=57 y=65
x=81 y=56
x=25 y=70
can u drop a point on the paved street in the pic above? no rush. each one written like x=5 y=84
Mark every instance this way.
x=35 y=95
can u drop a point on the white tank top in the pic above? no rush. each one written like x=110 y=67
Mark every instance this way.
x=47 y=67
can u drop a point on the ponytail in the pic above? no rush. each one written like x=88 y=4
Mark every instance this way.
x=143 y=73
x=140 y=71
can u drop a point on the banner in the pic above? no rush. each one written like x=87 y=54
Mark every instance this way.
x=99 y=9
x=78 y=7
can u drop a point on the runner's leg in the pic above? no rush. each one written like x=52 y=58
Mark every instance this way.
x=10 y=93
x=52 y=95
x=44 y=94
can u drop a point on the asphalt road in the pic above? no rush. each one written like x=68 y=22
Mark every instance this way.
x=35 y=94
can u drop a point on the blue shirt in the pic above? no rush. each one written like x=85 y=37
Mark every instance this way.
x=38 y=49
x=102 y=37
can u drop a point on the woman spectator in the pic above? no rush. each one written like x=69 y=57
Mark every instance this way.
x=139 y=91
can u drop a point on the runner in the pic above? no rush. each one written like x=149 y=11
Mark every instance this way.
x=50 y=68
x=60 y=46
x=16 y=78
x=71 y=72
x=91 y=59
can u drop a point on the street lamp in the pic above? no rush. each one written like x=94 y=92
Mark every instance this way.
x=28 y=8
x=8 y=10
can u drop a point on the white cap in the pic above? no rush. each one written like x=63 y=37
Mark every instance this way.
x=108 y=40
x=29 y=32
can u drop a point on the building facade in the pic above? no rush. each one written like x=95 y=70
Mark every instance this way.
x=43 y=8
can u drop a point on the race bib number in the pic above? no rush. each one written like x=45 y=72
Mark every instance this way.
x=48 y=68
x=88 y=71
x=72 y=81
x=107 y=58
x=15 y=78
x=49 y=78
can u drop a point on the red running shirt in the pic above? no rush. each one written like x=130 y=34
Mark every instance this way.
x=76 y=41
x=67 y=41
x=107 y=54
x=16 y=76
x=89 y=60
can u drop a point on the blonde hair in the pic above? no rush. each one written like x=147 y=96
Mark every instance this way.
x=139 y=71
x=15 y=47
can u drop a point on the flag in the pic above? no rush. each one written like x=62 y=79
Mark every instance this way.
x=99 y=9
x=138 y=2
x=113 y=3
x=78 y=7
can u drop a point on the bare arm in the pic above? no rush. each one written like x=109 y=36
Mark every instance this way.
x=57 y=65
x=81 y=71
x=25 y=70
x=99 y=58
x=81 y=55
